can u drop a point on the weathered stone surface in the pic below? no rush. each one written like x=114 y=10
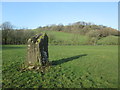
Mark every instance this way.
x=38 y=50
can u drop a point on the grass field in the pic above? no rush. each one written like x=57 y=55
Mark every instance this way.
x=58 y=38
x=73 y=67
x=65 y=38
x=109 y=40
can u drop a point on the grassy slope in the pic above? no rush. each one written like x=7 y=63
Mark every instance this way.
x=75 y=39
x=66 y=38
x=74 y=66
x=110 y=40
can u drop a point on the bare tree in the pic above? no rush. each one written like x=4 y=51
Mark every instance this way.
x=6 y=27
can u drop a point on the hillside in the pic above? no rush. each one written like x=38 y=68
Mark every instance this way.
x=110 y=40
x=65 y=38
x=79 y=33
x=60 y=38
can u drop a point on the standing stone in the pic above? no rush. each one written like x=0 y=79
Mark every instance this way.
x=38 y=50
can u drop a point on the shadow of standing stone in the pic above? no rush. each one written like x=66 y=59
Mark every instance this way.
x=58 y=62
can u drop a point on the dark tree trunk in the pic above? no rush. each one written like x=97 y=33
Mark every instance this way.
x=5 y=41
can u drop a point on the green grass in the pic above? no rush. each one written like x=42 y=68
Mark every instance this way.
x=65 y=38
x=109 y=40
x=56 y=37
x=73 y=67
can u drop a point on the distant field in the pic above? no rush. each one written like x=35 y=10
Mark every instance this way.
x=56 y=37
x=73 y=67
x=64 y=38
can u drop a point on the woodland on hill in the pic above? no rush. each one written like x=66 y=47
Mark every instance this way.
x=93 y=33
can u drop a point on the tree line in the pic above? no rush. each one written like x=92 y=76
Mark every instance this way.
x=14 y=36
x=82 y=28
x=20 y=36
